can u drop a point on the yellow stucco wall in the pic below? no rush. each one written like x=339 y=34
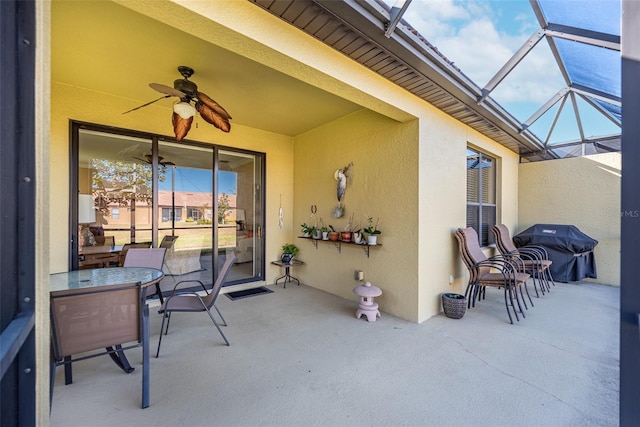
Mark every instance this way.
x=385 y=172
x=413 y=176
x=582 y=191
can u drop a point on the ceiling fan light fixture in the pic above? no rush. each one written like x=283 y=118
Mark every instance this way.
x=184 y=110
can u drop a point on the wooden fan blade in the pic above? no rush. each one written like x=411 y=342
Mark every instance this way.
x=165 y=163
x=167 y=90
x=204 y=98
x=181 y=126
x=148 y=103
x=210 y=116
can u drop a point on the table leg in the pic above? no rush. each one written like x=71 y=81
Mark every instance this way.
x=145 y=356
x=282 y=277
x=68 y=375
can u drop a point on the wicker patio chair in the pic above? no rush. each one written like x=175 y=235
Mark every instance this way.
x=193 y=302
x=535 y=260
x=497 y=272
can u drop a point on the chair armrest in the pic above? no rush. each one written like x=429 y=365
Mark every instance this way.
x=190 y=281
x=503 y=265
x=166 y=300
x=496 y=262
x=538 y=249
x=515 y=260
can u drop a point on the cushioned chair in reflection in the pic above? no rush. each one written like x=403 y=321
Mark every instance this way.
x=149 y=258
x=193 y=302
x=168 y=241
x=86 y=320
x=534 y=259
x=496 y=272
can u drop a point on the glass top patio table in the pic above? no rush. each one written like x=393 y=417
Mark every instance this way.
x=61 y=283
x=78 y=279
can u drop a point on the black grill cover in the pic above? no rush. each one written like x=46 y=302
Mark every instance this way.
x=569 y=248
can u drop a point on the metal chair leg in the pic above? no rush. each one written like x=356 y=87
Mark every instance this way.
x=224 y=322
x=218 y=327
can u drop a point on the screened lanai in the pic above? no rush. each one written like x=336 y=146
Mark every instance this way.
x=584 y=44
x=29 y=203
x=582 y=114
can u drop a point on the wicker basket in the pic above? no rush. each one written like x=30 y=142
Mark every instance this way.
x=454 y=306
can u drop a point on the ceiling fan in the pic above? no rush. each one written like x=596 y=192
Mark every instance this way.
x=149 y=160
x=183 y=112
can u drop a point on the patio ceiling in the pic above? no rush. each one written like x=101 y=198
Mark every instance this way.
x=109 y=48
x=585 y=43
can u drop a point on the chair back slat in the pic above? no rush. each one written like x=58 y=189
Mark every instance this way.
x=125 y=248
x=94 y=318
x=210 y=299
x=149 y=258
x=472 y=248
x=503 y=240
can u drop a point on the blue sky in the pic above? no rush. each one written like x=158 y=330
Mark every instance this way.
x=479 y=37
x=199 y=180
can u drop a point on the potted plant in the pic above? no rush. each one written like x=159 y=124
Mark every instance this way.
x=454 y=305
x=289 y=250
x=306 y=230
x=316 y=233
x=347 y=233
x=372 y=231
x=325 y=233
x=333 y=234
x=358 y=237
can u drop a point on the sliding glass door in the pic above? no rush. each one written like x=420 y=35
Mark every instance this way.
x=199 y=201
x=239 y=213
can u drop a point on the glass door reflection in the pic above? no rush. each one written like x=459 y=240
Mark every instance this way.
x=142 y=189
x=239 y=212
x=185 y=210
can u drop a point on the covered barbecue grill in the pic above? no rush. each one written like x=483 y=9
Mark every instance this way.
x=569 y=248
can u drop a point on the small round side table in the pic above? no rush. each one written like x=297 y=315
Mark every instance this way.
x=367 y=307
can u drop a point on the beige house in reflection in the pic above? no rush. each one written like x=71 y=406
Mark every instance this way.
x=181 y=206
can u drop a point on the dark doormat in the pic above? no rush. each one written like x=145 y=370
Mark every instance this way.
x=248 y=293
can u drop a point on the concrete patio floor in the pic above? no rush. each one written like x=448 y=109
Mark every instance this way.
x=299 y=357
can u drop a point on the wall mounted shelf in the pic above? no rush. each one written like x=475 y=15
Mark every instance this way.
x=338 y=244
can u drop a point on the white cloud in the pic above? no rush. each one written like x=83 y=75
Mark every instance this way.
x=466 y=33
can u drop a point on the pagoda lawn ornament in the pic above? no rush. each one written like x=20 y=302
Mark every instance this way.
x=367 y=293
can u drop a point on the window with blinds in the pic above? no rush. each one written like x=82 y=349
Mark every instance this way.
x=481 y=194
